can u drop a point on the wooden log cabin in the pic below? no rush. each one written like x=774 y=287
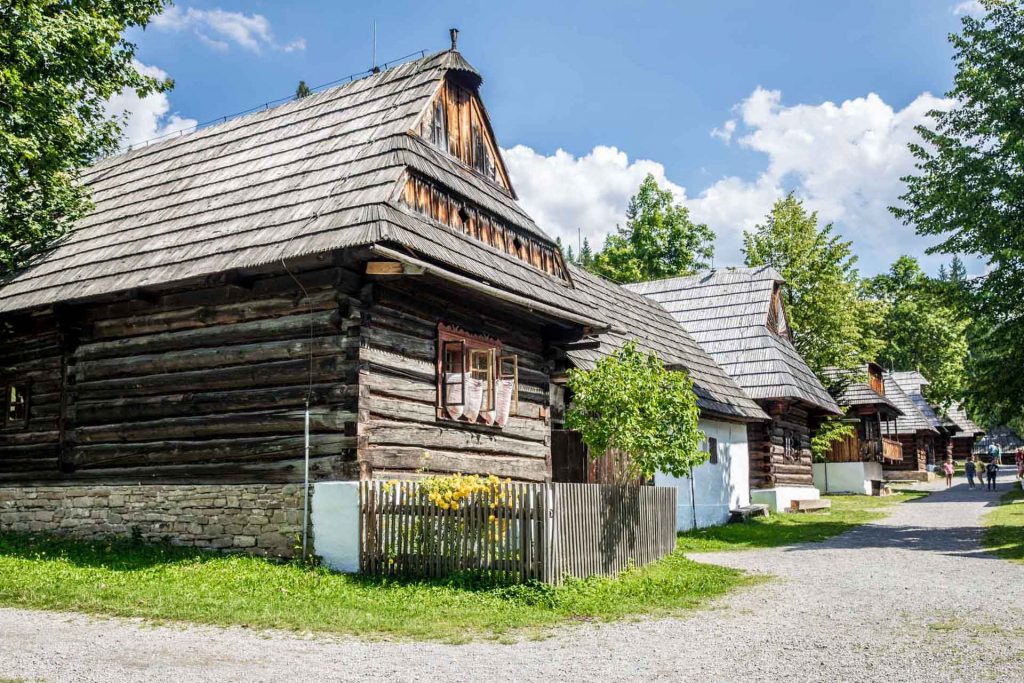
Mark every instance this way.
x=358 y=252
x=966 y=433
x=718 y=486
x=916 y=431
x=854 y=464
x=737 y=315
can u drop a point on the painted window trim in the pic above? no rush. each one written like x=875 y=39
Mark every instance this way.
x=448 y=335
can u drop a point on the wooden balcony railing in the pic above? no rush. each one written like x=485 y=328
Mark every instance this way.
x=892 y=450
x=852 y=449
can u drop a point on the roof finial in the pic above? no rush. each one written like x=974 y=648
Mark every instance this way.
x=454 y=33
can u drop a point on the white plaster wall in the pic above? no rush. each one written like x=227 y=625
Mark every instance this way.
x=334 y=516
x=847 y=477
x=718 y=488
x=781 y=498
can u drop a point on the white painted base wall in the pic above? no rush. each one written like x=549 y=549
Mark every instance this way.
x=334 y=516
x=847 y=477
x=719 y=488
x=781 y=498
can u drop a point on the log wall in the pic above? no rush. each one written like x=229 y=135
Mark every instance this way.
x=769 y=465
x=915 y=452
x=204 y=384
x=963 y=447
x=399 y=430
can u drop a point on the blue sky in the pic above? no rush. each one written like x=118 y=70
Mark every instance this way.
x=729 y=103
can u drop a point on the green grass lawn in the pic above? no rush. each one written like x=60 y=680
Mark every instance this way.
x=172 y=583
x=1005 y=533
x=846 y=513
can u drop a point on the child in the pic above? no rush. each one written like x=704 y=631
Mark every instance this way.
x=991 y=470
x=947 y=467
x=970 y=469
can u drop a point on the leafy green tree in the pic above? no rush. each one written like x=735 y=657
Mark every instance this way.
x=968 y=193
x=831 y=324
x=659 y=240
x=632 y=404
x=60 y=62
x=921 y=328
x=302 y=90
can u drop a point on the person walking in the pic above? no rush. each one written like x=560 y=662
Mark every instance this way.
x=1020 y=463
x=992 y=469
x=970 y=469
x=993 y=452
x=947 y=467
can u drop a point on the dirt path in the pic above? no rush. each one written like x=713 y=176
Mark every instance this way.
x=896 y=600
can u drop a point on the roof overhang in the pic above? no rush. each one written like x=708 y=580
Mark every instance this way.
x=538 y=307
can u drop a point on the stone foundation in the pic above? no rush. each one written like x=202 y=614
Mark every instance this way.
x=262 y=519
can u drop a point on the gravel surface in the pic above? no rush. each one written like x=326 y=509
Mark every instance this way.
x=909 y=598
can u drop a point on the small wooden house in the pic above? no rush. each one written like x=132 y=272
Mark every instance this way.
x=737 y=315
x=913 y=383
x=967 y=432
x=1003 y=438
x=917 y=432
x=720 y=485
x=352 y=265
x=854 y=464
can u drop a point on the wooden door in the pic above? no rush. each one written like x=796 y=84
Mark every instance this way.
x=568 y=457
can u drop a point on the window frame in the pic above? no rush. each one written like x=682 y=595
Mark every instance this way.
x=22 y=424
x=474 y=346
x=713 y=458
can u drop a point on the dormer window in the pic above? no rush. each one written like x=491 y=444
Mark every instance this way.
x=439 y=126
x=777 y=314
x=455 y=123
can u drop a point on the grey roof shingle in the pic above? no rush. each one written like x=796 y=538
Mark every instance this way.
x=1003 y=437
x=655 y=331
x=857 y=393
x=913 y=420
x=318 y=174
x=958 y=416
x=912 y=384
x=313 y=175
x=726 y=312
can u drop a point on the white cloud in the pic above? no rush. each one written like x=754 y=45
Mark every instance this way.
x=218 y=29
x=564 y=193
x=725 y=132
x=148 y=117
x=972 y=7
x=844 y=160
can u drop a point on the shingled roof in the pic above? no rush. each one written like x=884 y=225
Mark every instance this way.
x=913 y=420
x=857 y=393
x=317 y=174
x=655 y=331
x=726 y=312
x=912 y=383
x=958 y=416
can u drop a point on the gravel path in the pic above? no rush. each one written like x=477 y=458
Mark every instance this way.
x=909 y=598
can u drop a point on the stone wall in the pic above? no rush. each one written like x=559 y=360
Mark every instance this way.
x=262 y=519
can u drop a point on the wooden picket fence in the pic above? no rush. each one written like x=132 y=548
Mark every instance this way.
x=516 y=532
